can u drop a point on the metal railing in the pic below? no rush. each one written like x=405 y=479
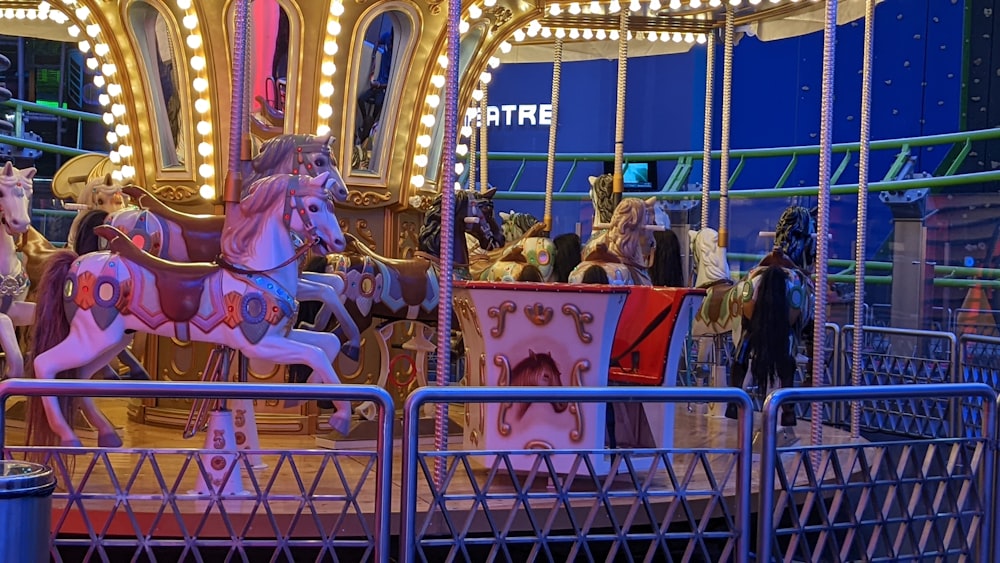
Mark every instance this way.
x=21 y=107
x=154 y=483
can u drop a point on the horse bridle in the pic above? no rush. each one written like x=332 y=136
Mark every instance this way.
x=311 y=147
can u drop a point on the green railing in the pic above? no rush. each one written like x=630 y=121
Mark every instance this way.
x=21 y=106
x=956 y=147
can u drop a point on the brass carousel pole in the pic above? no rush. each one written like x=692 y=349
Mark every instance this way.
x=238 y=142
x=727 y=101
x=484 y=141
x=446 y=184
x=550 y=165
x=618 y=186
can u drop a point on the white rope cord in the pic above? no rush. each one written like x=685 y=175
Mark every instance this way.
x=618 y=186
x=727 y=112
x=484 y=159
x=550 y=168
x=823 y=221
x=472 y=153
x=859 y=249
x=706 y=154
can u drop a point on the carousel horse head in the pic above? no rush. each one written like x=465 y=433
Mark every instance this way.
x=304 y=202
x=795 y=236
x=470 y=215
x=103 y=193
x=710 y=261
x=308 y=155
x=15 y=198
x=601 y=193
x=515 y=224
x=537 y=370
x=628 y=236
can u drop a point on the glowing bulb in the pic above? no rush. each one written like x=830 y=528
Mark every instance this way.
x=634 y=6
x=555 y=9
x=678 y=37
x=475 y=11
x=190 y=21
x=518 y=36
x=614 y=7
x=198 y=63
x=125 y=151
x=462 y=150
x=205 y=149
x=337 y=8
x=459 y=168
x=654 y=5
x=420 y=160
x=675 y=4
x=128 y=171
x=108 y=118
x=92 y=63
x=201 y=105
x=651 y=35
x=587 y=34
x=206 y=171
x=203 y=128
x=325 y=111
x=443 y=61
x=574 y=33
x=417 y=181
x=114 y=157
x=427 y=120
x=328 y=68
x=463 y=27
x=82 y=13
x=104 y=99
x=108 y=69
x=84 y=46
x=194 y=41
x=206 y=191
x=112 y=137
x=118 y=110
x=122 y=130
x=613 y=35
x=595 y=8
x=689 y=37
x=485 y=77
x=101 y=49
x=200 y=84
x=326 y=89
x=333 y=27
x=437 y=81
x=574 y=8
x=505 y=46
x=93 y=30
x=601 y=35
x=115 y=89
x=546 y=32
x=330 y=48
x=433 y=100
x=477 y=95
x=117 y=175
x=322 y=130
x=184 y=4
x=701 y=39
x=424 y=141
x=99 y=80
x=560 y=33
x=73 y=31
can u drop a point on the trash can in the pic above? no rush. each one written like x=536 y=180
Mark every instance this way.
x=25 y=511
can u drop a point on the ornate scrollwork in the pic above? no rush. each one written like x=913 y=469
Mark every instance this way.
x=503 y=381
x=422 y=202
x=582 y=319
x=538 y=445
x=365 y=233
x=576 y=380
x=500 y=314
x=367 y=198
x=498 y=15
x=408 y=241
x=174 y=193
x=538 y=314
x=463 y=308
x=434 y=6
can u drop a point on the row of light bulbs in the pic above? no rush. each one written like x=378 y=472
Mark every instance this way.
x=328 y=68
x=197 y=62
x=44 y=11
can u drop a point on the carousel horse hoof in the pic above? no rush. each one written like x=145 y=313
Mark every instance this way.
x=341 y=421
x=109 y=440
x=352 y=352
x=73 y=442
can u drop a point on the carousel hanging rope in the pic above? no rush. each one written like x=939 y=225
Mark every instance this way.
x=859 y=248
x=473 y=135
x=550 y=168
x=706 y=153
x=618 y=186
x=727 y=101
x=484 y=158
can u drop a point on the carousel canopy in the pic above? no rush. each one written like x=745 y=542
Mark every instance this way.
x=666 y=31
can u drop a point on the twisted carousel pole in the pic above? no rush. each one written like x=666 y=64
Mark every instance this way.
x=727 y=114
x=238 y=142
x=474 y=133
x=446 y=184
x=706 y=151
x=823 y=220
x=618 y=185
x=550 y=164
x=859 y=249
x=484 y=142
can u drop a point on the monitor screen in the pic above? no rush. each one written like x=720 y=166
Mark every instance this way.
x=636 y=176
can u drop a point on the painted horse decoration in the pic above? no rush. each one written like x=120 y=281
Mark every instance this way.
x=88 y=305
x=15 y=203
x=623 y=252
x=103 y=194
x=777 y=307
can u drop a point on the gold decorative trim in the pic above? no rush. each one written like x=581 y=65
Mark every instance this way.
x=434 y=6
x=503 y=381
x=367 y=198
x=581 y=319
x=408 y=241
x=538 y=314
x=365 y=233
x=482 y=411
x=500 y=314
x=538 y=445
x=463 y=308
x=174 y=193
x=576 y=380
x=499 y=15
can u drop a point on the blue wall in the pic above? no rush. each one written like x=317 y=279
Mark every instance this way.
x=916 y=90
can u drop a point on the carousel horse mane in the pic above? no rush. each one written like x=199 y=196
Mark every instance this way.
x=667 y=270
x=429 y=238
x=627 y=236
x=86 y=240
x=536 y=370
x=601 y=188
x=277 y=152
x=711 y=264
x=795 y=236
x=516 y=224
x=264 y=197
x=568 y=251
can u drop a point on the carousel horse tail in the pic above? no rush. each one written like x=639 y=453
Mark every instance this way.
x=299 y=373
x=595 y=274
x=86 y=240
x=770 y=331
x=51 y=327
x=568 y=251
x=530 y=273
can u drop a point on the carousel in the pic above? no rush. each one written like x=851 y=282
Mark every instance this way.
x=294 y=225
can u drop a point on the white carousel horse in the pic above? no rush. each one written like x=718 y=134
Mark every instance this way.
x=181 y=237
x=15 y=202
x=622 y=253
x=88 y=304
x=101 y=193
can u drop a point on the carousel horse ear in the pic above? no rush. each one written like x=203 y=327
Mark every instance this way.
x=326 y=140
x=488 y=194
x=319 y=180
x=8 y=169
x=107 y=180
x=592 y=180
x=531 y=353
x=651 y=200
x=28 y=173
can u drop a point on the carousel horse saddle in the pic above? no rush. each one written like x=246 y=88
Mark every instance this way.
x=411 y=274
x=179 y=285
x=200 y=232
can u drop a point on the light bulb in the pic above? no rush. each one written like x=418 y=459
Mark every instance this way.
x=420 y=160
x=206 y=170
x=205 y=149
x=417 y=181
x=203 y=128
x=206 y=191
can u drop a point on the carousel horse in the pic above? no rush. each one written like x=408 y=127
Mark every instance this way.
x=530 y=256
x=89 y=304
x=15 y=202
x=776 y=307
x=623 y=251
x=181 y=237
x=104 y=194
x=407 y=289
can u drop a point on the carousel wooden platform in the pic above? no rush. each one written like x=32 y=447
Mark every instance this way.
x=313 y=493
